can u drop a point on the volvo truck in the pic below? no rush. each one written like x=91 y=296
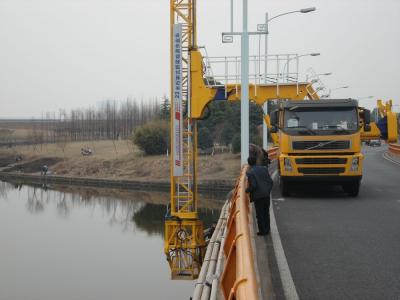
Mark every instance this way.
x=320 y=141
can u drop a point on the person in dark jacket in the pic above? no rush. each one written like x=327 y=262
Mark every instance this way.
x=259 y=187
x=265 y=160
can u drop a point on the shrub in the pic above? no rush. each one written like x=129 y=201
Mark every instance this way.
x=205 y=138
x=236 y=143
x=152 y=137
x=227 y=134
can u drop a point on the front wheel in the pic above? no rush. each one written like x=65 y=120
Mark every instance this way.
x=352 y=188
x=284 y=187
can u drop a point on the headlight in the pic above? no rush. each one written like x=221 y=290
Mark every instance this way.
x=287 y=164
x=354 y=164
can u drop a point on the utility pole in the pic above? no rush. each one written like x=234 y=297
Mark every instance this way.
x=265 y=105
x=244 y=101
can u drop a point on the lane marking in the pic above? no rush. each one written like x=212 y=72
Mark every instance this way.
x=288 y=286
x=386 y=156
x=279 y=199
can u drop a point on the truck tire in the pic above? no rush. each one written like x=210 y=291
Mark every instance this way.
x=352 y=188
x=284 y=187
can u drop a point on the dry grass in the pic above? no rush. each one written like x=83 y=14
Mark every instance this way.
x=15 y=133
x=120 y=160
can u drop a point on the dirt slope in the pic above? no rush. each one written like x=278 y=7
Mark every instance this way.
x=111 y=160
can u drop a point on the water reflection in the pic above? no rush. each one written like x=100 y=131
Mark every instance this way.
x=150 y=218
x=59 y=242
x=126 y=208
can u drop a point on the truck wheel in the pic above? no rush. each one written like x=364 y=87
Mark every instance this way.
x=284 y=187
x=352 y=188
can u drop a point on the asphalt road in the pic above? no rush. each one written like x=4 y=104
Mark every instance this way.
x=338 y=247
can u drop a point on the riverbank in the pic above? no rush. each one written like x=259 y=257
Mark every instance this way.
x=115 y=164
x=210 y=186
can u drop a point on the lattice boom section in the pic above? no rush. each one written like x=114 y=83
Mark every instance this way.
x=184 y=191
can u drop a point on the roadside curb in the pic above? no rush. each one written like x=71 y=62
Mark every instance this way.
x=392 y=157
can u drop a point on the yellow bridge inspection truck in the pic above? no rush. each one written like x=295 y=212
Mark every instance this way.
x=320 y=141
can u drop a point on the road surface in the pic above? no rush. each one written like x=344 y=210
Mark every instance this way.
x=338 y=247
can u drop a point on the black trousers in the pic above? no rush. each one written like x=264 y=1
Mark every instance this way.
x=262 y=214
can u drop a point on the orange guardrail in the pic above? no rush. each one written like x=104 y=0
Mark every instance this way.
x=394 y=148
x=239 y=279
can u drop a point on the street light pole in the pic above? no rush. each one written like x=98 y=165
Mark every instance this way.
x=265 y=105
x=364 y=98
x=244 y=90
x=267 y=20
x=335 y=89
x=297 y=58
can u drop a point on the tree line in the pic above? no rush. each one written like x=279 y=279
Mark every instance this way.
x=110 y=120
x=146 y=123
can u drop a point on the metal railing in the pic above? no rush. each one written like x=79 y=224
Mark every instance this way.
x=225 y=70
x=318 y=85
x=222 y=70
x=231 y=242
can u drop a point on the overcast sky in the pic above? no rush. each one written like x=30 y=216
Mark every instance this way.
x=75 y=53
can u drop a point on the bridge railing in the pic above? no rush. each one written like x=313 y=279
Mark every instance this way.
x=239 y=280
x=230 y=251
x=394 y=148
x=273 y=153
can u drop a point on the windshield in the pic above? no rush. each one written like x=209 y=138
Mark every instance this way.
x=321 y=120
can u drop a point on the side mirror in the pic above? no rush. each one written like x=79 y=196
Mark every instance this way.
x=274 y=118
x=367 y=116
x=367 y=120
x=273 y=129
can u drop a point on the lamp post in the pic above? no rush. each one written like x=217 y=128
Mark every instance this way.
x=297 y=58
x=267 y=20
x=364 y=98
x=317 y=75
x=244 y=89
x=335 y=89
x=227 y=37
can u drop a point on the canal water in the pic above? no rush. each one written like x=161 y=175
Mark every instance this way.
x=85 y=243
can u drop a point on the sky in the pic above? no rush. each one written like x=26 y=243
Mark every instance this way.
x=76 y=53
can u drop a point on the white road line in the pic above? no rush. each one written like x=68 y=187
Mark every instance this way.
x=286 y=277
x=279 y=199
x=385 y=156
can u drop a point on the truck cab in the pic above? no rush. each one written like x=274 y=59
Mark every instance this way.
x=320 y=141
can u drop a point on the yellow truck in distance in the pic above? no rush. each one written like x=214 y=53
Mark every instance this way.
x=320 y=141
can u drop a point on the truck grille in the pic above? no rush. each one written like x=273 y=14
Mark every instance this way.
x=319 y=171
x=321 y=145
x=321 y=161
